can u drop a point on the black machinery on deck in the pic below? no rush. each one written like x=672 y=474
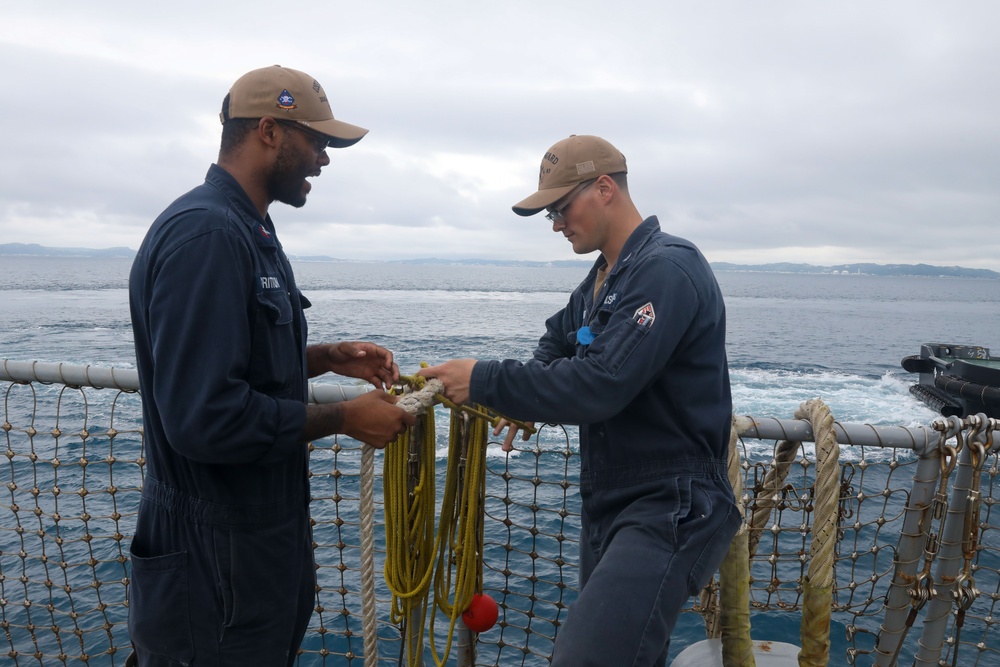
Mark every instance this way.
x=956 y=380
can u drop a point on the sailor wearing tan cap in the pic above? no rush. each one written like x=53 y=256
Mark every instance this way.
x=637 y=358
x=222 y=562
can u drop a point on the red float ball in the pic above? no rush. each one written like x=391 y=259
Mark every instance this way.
x=481 y=614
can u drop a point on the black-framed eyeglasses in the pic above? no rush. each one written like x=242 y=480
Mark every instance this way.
x=557 y=214
x=320 y=142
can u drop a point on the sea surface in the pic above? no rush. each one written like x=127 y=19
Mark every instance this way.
x=791 y=337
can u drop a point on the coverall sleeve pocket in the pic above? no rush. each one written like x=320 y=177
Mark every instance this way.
x=620 y=347
x=158 y=620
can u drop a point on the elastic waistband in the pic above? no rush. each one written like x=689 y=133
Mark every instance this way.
x=228 y=516
x=647 y=471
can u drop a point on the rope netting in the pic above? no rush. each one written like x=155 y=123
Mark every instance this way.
x=71 y=467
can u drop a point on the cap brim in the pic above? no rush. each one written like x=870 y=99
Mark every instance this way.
x=541 y=199
x=341 y=134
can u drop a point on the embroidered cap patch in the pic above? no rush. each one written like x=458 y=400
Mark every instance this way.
x=644 y=316
x=285 y=100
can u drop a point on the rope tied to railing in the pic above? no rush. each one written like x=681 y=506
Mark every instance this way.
x=734 y=577
x=63 y=472
x=818 y=585
x=734 y=574
x=767 y=497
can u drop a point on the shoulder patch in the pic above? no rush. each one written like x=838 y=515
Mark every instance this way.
x=645 y=315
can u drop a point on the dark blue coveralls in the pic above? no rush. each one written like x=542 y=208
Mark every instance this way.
x=641 y=367
x=222 y=564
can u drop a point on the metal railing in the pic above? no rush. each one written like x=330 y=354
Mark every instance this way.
x=919 y=548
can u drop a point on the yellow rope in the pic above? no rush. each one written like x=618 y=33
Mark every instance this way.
x=417 y=382
x=411 y=541
x=409 y=495
x=460 y=531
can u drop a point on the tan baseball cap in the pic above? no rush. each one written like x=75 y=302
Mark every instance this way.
x=288 y=94
x=573 y=160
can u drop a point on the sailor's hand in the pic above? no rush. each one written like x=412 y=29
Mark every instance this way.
x=456 y=376
x=512 y=429
x=365 y=361
x=374 y=418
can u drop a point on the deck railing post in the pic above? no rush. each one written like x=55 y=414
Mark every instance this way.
x=912 y=539
x=948 y=562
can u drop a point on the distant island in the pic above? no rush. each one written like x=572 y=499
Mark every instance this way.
x=914 y=270
x=35 y=250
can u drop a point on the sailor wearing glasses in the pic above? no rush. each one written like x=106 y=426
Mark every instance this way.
x=637 y=359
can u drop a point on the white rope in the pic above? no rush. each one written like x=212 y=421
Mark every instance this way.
x=817 y=595
x=416 y=402
x=827 y=493
x=370 y=621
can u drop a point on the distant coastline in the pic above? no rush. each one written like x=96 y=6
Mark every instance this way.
x=35 y=250
x=908 y=270
x=866 y=269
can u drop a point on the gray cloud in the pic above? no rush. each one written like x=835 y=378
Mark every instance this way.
x=764 y=132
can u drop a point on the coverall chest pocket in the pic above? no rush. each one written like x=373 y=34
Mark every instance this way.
x=600 y=320
x=274 y=351
x=276 y=306
x=596 y=326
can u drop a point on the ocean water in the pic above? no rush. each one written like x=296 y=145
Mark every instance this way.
x=790 y=337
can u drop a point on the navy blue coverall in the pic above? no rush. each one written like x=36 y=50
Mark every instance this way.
x=641 y=367
x=222 y=563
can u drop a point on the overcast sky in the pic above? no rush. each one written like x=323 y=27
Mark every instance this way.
x=820 y=132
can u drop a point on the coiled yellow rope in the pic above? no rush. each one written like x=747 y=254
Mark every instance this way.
x=460 y=530
x=409 y=495
x=414 y=550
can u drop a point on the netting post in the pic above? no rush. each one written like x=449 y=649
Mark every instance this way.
x=412 y=480
x=465 y=646
x=948 y=563
x=909 y=549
